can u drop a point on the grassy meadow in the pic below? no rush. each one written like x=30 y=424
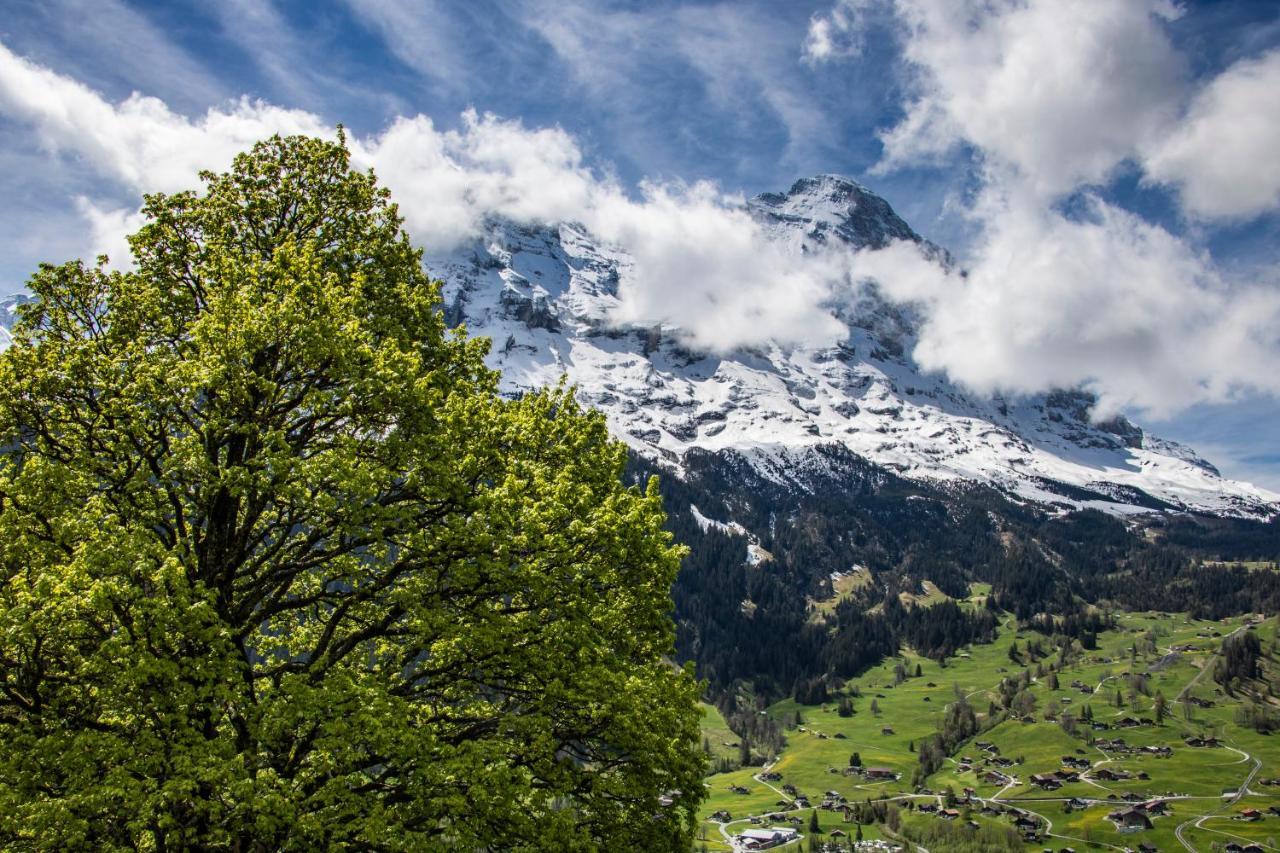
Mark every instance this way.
x=820 y=745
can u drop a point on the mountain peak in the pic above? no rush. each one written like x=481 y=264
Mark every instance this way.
x=830 y=205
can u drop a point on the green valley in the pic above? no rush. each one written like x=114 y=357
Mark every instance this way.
x=1045 y=745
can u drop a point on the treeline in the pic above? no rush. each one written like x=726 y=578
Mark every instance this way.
x=754 y=620
x=1239 y=659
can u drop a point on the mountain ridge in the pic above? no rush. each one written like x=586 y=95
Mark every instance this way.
x=546 y=295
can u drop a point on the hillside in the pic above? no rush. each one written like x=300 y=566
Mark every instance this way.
x=1096 y=708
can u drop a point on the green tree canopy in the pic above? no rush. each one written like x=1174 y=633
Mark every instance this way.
x=280 y=569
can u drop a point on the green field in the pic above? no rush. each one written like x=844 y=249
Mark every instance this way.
x=819 y=748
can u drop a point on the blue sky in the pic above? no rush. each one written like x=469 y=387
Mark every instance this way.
x=1133 y=145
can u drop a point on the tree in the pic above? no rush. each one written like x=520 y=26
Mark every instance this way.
x=280 y=569
x=855 y=760
x=1161 y=708
x=814 y=826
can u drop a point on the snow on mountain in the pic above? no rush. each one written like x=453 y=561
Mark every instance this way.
x=545 y=295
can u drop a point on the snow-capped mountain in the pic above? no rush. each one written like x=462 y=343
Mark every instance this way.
x=9 y=315
x=546 y=294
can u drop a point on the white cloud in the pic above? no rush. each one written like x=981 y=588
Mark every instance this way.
x=1052 y=97
x=140 y=141
x=836 y=33
x=1058 y=93
x=1107 y=301
x=701 y=261
x=1223 y=154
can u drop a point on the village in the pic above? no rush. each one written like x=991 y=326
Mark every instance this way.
x=1126 y=776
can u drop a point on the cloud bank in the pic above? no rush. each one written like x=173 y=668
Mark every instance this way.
x=1050 y=100
x=1063 y=287
x=701 y=262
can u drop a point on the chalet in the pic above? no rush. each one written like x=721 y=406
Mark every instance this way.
x=765 y=839
x=1233 y=847
x=722 y=816
x=1155 y=807
x=995 y=777
x=1130 y=820
x=1162 y=751
x=789 y=789
x=1066 y=776
x=1045 y=781
x=886 y=730
x=949 y=814
x=1200 y=703
x=878 y=773
x=1128 y=722
x=838 y=833
x=1144 y=847
x=839 y=736
x=1250 y=815
x=987 y=746
x=990 y=812
x=1002 y=761
x=771 y=776
x=738 y=789
x=1029 y=828
x=1077 y=763
x=1201 y=741
x=1077 y=803
x=928 y=808
x=1109 y=775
